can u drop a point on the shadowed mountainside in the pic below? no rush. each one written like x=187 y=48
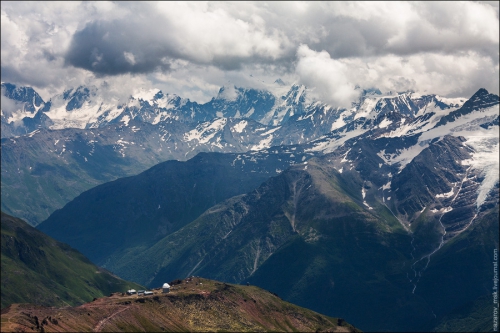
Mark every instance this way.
x=38 y=269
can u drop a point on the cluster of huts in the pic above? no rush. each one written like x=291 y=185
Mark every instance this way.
x=139 y=292
x=165 y=289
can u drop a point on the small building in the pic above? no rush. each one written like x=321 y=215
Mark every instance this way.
x=146 y=293
x=131 y=292
x=141 y=292
x=166 y=288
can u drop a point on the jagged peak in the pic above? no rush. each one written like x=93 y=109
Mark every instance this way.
x=296 y=86
x=80 y=90
x=280 y=82
x=371 y=92
x=481 y=92
x=7 y=84
x=12 y=87
x=159 y=95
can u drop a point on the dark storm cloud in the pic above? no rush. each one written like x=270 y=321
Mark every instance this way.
x=129 y=46
x=155 y=35
x=116 y=47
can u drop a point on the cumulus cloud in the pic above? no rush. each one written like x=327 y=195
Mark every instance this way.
x=446 y=75
x=194 y=48
x=112 y=48
x=158 y=33
x=9 y=106
x=34 y=36
x=329 y=76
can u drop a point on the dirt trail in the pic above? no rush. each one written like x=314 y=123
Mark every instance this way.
x=8 y=325
x=102 y=322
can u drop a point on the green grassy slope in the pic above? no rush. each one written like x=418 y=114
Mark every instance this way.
x=37 y=269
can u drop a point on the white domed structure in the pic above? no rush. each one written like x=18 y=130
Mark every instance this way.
x=166 y=288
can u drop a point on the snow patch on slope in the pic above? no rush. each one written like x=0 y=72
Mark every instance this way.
x=446 y=195
x=266 y=143
x=206 y=131
x=367 y=107
x=384 y=123
x=239 y=127
x=486 y=160
x=329 y=145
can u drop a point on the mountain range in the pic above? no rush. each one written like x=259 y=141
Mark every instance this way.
x=77 y=147
x=365 y=213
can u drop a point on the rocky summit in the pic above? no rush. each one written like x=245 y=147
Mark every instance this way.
x=193 y=304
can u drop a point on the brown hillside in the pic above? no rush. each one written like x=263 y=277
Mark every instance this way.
x=195 y=304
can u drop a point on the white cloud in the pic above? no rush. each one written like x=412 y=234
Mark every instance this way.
x=130 y=58
x=329 y=77
x=194 y=48
x=442 y=74
x=203 y=33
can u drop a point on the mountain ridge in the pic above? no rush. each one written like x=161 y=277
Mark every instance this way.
x=132 y=143
x=193 y=304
